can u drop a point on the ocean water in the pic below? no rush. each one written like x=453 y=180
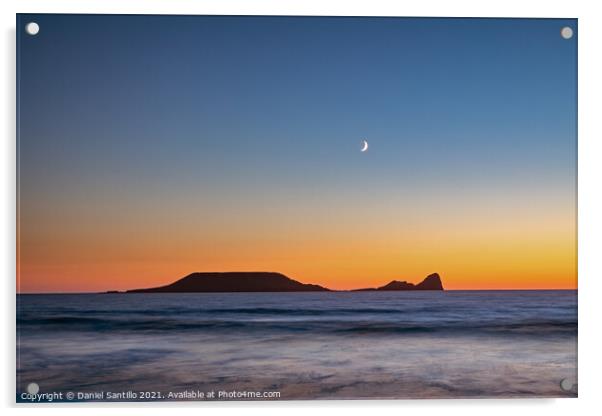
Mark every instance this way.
x=341 y=345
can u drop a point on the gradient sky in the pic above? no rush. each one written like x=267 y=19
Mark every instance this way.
x=154 y=146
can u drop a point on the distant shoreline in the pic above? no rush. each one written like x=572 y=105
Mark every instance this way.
x=260 y=281
x=273 y=282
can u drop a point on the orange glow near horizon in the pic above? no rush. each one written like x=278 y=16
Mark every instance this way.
x=470 y=250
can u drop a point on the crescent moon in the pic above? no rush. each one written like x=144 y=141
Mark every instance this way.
x=365 y=146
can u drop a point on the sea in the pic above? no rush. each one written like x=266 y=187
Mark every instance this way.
x=296 y=346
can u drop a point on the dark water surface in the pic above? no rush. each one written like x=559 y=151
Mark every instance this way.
x=303 y=345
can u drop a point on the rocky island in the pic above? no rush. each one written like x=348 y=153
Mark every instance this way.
x=213 y=282
x=234 y=282
x=431 y=282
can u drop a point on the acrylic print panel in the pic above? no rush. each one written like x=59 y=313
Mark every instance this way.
x=284 y=208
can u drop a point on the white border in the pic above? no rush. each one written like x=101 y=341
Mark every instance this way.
x=590 y=183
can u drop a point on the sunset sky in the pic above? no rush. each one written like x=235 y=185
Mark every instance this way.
x=152 y=147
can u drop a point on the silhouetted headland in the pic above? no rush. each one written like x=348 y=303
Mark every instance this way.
x=234 y=282
x=267 y=282
x=431 y=282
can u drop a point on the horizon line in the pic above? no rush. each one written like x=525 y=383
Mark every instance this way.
x=123 y=292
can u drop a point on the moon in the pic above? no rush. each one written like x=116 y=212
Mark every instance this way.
x=364 y=146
